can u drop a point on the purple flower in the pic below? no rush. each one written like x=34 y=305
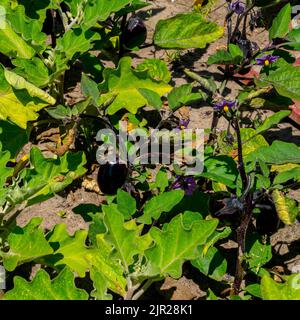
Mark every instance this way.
x=224 y=105
x=183 y=124
x=187 y=184
x=237 y=7
x=266 y=60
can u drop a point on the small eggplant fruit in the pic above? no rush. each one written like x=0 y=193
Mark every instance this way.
x=111 y=177
x=135 y=33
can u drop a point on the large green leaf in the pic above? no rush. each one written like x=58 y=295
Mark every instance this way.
x=125 y=237
x=47 y=176
x=186 y=30
x=33 y=70
x=26 y=244
x=12 y=44
x=29 y=29
x=278 y=153
x=75 y=41
x=70 y=250
x=164 y=202
x=122 y=86
x=280 y=26
x=286 y=81
x=272 y=120
x=221 y=169
x=43 y=288
x=272 y=290
x=175 y=244
x=100 y=10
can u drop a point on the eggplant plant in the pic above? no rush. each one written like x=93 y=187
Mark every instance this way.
x=156 y=221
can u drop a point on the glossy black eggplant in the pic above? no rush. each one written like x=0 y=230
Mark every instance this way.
x=111 y=177
x=135 y=33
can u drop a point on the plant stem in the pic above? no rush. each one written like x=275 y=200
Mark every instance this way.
x=246 y=213
x=144 y=288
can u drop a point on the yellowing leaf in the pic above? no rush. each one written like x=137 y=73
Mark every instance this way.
x=186 y=31
x=124 y=83
x=20 y=83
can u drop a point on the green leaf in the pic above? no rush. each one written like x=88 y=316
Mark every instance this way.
x=60 y=112
x=75 y=41
x=156 y=68
x=109 y=272
x=123 y=85
x=12 y=138
x=43 y=288
x=294 y=39
x=33 y=70
x=12 y=44
x=153 y=98
x=234 y=56
x=29 y=29
x=272 y=120
x=26 y=244
x=289 y=290
x=69 y=250
x=100 y=286
x=185 y=31
x=100 y=10
x=278 y=153
x=221 y=169
x=174 y=245
x=182 y=95
x=258 y=253
x=254 y=290
x=286 y=81
x=126 y=203
x=89 y=88
x=164 y=202
x=283 y=177
x=212 y=264
x=280 y=25
x=125 y=237
x=47 y=176
x=161 y=180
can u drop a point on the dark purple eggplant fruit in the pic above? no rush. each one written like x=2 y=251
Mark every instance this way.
x=135 y=33
x=267 y=221
x=111 y=177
